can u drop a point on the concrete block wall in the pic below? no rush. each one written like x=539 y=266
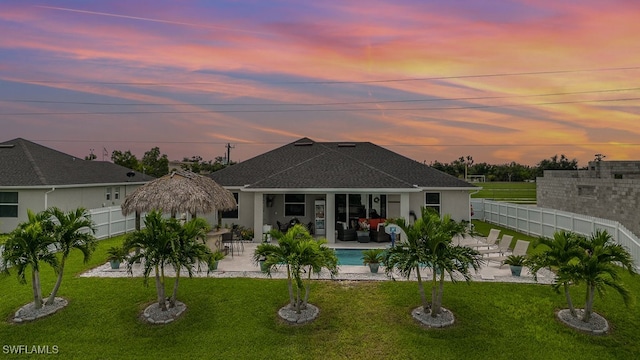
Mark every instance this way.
x=607 y=198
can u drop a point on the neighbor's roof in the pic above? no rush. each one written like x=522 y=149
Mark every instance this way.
x=24 y=163
x=306 y=164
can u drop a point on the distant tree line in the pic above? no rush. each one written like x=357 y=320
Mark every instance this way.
x=197 y=165
x=156 y=164
x=464 y=166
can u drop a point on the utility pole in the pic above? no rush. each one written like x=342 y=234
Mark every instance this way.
x=229 y=147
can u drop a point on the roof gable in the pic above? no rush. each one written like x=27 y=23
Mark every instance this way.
x=25 y=163
x=333 y=165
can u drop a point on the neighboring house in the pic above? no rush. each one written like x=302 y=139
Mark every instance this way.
x=36 y=177
x=325 y=183
x=606 y=189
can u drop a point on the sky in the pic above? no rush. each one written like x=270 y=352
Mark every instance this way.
x=500 y=81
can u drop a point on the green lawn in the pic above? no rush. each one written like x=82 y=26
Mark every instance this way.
x=236 y=319
x=520 y=192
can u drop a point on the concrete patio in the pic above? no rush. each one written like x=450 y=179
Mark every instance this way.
x=241 y=265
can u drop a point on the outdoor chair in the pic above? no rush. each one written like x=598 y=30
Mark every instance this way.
x=346 y=234
x=227 y=241
x=490 y=241
x=504 y=246
x=237 y=239
x=520 y=249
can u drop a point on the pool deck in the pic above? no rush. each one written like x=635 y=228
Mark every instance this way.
x=241 y=265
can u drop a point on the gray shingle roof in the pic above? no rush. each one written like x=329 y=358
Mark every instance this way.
x=24 y=163
x=305 y=164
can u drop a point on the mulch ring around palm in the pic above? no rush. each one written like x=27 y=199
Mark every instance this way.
x=30 y=313
x=152 y=314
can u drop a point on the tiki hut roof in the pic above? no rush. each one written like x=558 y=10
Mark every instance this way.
x=178 y=192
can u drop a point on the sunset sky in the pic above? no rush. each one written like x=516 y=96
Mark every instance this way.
x=501 y=81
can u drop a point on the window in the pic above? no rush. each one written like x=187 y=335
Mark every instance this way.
x=116 y=193
x=232 y=214
x=294 y=204
x=432 y=200
x=107 y=194
x=9 y=204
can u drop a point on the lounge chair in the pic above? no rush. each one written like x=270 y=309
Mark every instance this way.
x=490 y=241
x=520 y=249
x=504 y=245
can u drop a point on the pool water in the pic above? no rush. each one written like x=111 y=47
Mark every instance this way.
x=349 y=256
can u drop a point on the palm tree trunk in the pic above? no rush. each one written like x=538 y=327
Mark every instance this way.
x=307 y=289
x=567 y=295
x=588 y=307
x=298 y=302
x=56 y=287
x=35 y=283
x=290 y=286
x=423 y=297
x=160 y=290
x=172 y=302
x=437 y=304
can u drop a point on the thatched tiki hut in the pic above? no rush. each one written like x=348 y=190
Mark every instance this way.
x=179 y=192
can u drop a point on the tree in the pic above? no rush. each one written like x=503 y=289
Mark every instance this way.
x=70 y=232
x=598 y=268
x=154 y=164
x=126 y=159
x=189 y=249
x=27 y=246
x=555 y=163
x=577 y=259
x=557 y=253
x=155 y=242
x=298 y=251
x=429 y=244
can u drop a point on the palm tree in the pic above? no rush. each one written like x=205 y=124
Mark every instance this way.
x=156 y=245
x=298 y=251
x=429 y=243
x=598 y=267
x=27 y=246
x=558 y=252
x=189 y=249
x=70 y=232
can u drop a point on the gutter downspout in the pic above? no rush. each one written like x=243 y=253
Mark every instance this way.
x=46 y=197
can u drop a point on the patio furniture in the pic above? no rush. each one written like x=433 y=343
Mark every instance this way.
x=346 y=234
x=520 y=249
x=227 y=241
x=503 y=246
x=490 y=241
x=237 y=239
x=282 y=227
x=380 y=235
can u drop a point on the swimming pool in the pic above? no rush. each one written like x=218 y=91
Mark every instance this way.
x=349 y=256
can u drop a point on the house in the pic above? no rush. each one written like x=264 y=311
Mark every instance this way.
x=329 y=184
x=606 y=189
x=36 y=177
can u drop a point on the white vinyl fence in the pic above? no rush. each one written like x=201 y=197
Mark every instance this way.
x=110 y=222
x=536 y=221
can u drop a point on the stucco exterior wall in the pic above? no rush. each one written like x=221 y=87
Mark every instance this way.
x=595 y=192
x=67 y=198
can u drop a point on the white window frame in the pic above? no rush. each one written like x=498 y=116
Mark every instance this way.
x=436 y=206
x=11 y=204
x=303 y=203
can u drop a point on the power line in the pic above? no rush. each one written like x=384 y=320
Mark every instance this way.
x=329 y=103
x=255 y=143
x=470 y=107
x=159 y=83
